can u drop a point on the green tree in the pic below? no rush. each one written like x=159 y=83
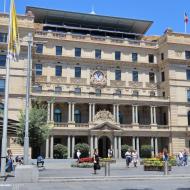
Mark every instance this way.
x=38 y=128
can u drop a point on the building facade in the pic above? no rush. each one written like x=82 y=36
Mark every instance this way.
x=104 y=81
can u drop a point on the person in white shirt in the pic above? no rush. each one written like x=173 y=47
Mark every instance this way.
x=128 y=158
x=135 y=158
x=78 y=155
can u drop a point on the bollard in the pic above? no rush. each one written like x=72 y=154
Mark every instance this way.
x=107 y=169
x=166 y=168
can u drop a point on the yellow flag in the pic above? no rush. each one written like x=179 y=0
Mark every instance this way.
x=13 y=39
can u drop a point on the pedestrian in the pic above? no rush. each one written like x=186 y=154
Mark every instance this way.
x=185 y=158
x=128 y=157
x=96 y=161
x=180 y=157
x=78 y=155
x=9 y=161
x=40 y=160
x=165 y=155
x=135 y=158
x=110 y=153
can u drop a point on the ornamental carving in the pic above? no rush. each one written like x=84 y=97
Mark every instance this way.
x=104 y=116
x=98 y=78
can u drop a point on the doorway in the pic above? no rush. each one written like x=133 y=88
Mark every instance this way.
x=104 y=144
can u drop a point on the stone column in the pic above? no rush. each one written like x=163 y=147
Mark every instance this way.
x=151 y=115
x=119 y=147
x=137 y=146
x=73 y=147
x=69 y=147
x=90 y=112
x=152 y=146
x=91 y=145
x=117 y=106
x=48 y=112
x=93 y=111
x=69 y=113
x=136 y=114
x=155 y=122
x=47 y=147
x=52 y=112
x=133 y=114
x=51 y=147
x=96 y=143
x=73 y=112
x=115 y=147
x=114 y=112
x=156 y=146
x=133 y=143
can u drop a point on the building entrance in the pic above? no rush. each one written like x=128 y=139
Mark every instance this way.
x=103 y=145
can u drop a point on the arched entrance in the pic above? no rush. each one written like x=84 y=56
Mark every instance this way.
x=104 y=144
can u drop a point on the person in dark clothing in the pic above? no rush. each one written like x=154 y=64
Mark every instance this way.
x=40 y=160
x=96 y=161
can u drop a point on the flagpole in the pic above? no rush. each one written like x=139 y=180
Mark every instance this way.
x=4 y=6
x=5 y=116
x=185 y=27
x=26 y=138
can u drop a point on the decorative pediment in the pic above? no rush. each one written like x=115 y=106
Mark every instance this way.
x=106 y=126
x=104 y=116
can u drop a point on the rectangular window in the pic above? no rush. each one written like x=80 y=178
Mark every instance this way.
x=135 y=76
x=2 y=60
x=151 y=58
x=151 y=77
x=3 y=37
x=163 y=94
x=188 y=95
x=117 y=55
x=152 y=93
x=77 y=72
x=163 y=76
x=134 y=57
x=118 y=92
x=117 y=74
x=98 y=53
x=135 y=93
x=77 y=52
x=2 y=85
x=58 y=89
x=98 y=92
x=38 y=69
x=187 y=54
x=39 y=48
x=58 y=50
x=77 y=90
x=162 y=56
x=188 y=74
x=58 y=71
x=38 y=89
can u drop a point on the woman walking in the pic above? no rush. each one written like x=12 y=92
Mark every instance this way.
x=128 y=158
x=96 y=161
x=135 y=158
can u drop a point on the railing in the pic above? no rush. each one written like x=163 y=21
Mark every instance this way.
x=80 y=125
x=60 y=80
x=60 y=124
x=78 y=81
x=135 y=84
x=117 y=83
x=40 y=79
x=103 y=39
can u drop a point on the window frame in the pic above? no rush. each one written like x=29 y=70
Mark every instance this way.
x=188 y=95
x=134 y=57
x=58 y=73
x=188 y=74
x=150 y=80
x=118 y=74
x=38 y=70
x=39 y=48
x=117 y=55
x=77 y=72
x=3 y=61
x=57 y=52
x=151 y=58
x=2 y=85
x=78 y=50
x=98 y=53
x=135 y=73
x=77 y=90
x=3 y=38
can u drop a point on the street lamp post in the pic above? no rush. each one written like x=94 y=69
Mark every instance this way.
x=26 y=138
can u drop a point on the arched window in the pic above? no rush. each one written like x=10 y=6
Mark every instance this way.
x=57 y=115
x=188 y=116
x=77 y=116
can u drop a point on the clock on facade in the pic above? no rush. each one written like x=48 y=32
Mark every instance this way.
x=98 y=76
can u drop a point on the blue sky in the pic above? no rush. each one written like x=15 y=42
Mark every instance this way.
x=164 y=13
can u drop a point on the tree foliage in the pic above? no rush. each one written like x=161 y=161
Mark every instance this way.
x=38 y=127
x=60 y=151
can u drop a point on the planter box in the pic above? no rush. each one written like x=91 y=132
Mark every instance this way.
x=156 y=168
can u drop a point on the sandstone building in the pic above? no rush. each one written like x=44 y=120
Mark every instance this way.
x=104 y=81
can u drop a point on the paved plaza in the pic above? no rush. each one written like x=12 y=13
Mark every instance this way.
x=58 y=175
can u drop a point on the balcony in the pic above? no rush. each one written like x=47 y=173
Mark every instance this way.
x=95 y=39
x=151 y=85
x=134 y=84
x=41 y=79
x=80 y=81
x=117 y=83
x=58 y=80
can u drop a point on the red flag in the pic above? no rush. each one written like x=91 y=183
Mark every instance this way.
x=186 y=19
